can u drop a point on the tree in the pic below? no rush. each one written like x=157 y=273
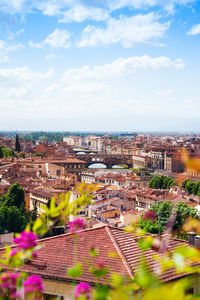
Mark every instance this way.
x=15 y=197
x=190 y=186
x=17 y=144
x=161 y=182
x=163 y=210
x=7 y=152
x=21 y=155
x=1 y=152
x=11 y=219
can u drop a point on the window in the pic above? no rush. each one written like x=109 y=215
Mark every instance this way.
x=190 y=291
x=52 y=297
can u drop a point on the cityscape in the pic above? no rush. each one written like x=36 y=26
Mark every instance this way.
x=99 y=150
x=131 y=178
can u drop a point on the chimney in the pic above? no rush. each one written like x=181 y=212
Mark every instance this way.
x=191 y=238
x=197 y=241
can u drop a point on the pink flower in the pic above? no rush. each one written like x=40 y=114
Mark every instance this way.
x=9 y=284
x=150 y=215
x=101 y=265
x=33 y=284
x=13 y=252
x=26 y=240
x=82 y=289
x=77 y=225
x=35 y=254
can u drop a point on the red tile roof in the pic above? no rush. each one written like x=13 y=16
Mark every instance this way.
x=59 y=253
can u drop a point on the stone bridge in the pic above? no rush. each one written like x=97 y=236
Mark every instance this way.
x=109 y=160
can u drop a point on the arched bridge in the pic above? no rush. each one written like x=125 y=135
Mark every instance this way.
x=109 y=160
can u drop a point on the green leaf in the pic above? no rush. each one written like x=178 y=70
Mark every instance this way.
x=94 y=252
x=75 y=271
x=116 y=280
x=145 y=243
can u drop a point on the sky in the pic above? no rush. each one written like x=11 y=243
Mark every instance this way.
x=100 y=65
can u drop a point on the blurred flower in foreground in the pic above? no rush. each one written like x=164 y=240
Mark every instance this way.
x=82 y=289
x=190 y=163
x=33 y=284
x=77 y=225
x=192 y=225
x=26 y=240
x=13 y=252
x=9 y=285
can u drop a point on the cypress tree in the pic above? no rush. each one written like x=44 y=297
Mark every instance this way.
x=17 y=144
x=1 y=152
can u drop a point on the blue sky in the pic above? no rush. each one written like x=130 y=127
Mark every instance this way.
x=100 y=65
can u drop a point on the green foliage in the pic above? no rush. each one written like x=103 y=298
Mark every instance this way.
x=161 y=182
x=21 y=155
x=11 y=219
x=163 y=210
x=75 y=271
x=144 y=285
x=123 y=166
x=143 y=169
x=7 y=152
x=1 y=152
x=17 y=144
x=37 y=154
x=94 y=252
x=15 y=197
x=143 y=277
x=12 y=210
x=192 y=187
x=45 y=136
x=151 y=227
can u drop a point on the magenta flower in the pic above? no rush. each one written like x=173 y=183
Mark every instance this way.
x=77 y=225
x=82 y=289
x=33 y=284
x=9 y=284
x=26 y=240
x=13 y=252
x=150 y=215
x=101 y=265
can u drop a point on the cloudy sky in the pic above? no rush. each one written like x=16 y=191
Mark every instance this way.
x=100 y=65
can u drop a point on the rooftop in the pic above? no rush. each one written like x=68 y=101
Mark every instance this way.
x=57 y=254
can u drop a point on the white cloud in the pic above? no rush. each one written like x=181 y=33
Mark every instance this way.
x=67 y=10
x=50 y=56
x=129 y=31
x=57 y=39
x=122 y=67
x=52 y=88
x=50 y=9
x=194 y=30
x=5 y=49
x=164 y=92
x=16 y=76
x=17 y=93
x=89 y=87
x=80 y=13
x=168 y=5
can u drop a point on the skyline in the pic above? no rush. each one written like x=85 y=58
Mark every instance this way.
x=121 y=66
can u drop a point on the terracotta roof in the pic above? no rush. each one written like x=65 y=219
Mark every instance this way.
x=42 y=192
x=57 y=254
x=131 y=251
